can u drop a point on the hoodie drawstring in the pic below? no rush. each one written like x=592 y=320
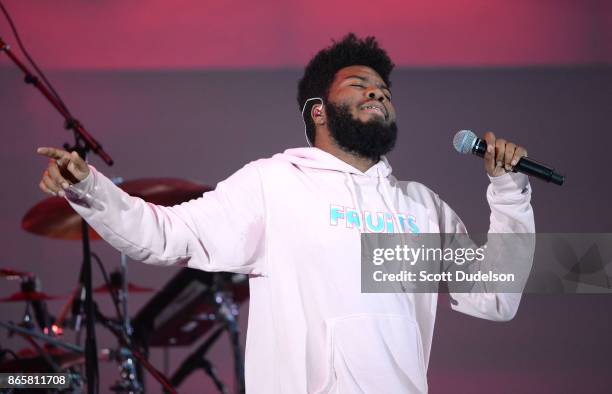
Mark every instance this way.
x=388 y=199
x=351 y=185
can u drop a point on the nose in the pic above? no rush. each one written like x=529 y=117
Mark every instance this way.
x=376 y=94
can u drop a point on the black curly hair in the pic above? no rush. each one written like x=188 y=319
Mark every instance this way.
x=320 y=72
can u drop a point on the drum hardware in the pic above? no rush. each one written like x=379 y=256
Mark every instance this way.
x=227 y=314
x=12 y=327
x=127 y=355
x=190 y=305
x=215 y=301
x=197 y=360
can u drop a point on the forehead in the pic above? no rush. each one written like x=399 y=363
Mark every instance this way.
x=363 y=72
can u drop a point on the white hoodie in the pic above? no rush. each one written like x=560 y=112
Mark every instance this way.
x=293 y=222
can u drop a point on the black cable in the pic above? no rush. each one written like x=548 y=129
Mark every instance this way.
x=111 y=289
x=32 y=62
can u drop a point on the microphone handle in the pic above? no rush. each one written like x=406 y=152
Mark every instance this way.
x=525 y=165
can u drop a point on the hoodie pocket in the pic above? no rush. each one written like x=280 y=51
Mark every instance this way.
x=374 y=353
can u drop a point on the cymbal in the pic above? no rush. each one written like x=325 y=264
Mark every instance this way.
x=164 y=191
x=29 y=296
x=11 y=274
x=53 y=217
x=132 y=288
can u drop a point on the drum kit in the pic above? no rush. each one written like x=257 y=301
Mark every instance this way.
x=192 y=305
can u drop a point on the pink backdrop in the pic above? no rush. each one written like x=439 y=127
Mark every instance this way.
x=137 y=34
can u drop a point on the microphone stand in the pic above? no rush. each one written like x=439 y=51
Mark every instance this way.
x=197 y=360
x=84 y=143
x=228 y=313
x=82 y=136
x=128 y=349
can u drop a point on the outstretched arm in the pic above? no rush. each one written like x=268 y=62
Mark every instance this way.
x=220 y=231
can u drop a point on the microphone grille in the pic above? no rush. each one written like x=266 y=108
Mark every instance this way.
x=464 y=141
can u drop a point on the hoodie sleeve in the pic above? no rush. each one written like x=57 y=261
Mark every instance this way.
x=509 y=197
x=220 y=231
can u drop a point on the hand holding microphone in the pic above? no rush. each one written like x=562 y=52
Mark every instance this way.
x=502 y=156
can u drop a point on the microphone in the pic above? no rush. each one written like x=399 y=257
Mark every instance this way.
x=465 y=141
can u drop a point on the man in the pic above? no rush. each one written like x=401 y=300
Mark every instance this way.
x=293 y=222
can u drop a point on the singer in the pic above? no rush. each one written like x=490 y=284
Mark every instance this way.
x=277 y=219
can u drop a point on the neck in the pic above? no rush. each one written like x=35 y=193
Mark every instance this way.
x=326 y=143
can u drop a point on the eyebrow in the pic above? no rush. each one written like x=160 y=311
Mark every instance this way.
x=382 y=85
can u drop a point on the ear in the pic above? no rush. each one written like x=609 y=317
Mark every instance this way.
x=317 y=113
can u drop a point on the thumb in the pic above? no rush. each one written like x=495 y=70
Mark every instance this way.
x=489 y=157
x=77 y=166
x=78 y=162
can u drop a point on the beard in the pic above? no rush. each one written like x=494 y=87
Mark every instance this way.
x=370 y=139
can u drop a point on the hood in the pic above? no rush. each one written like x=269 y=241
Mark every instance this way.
x=317 y=158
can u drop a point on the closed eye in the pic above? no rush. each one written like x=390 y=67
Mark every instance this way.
x=385 y=91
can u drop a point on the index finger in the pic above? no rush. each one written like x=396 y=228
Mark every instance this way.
x=490 y=138
x=53 y=153
x=489 y=158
